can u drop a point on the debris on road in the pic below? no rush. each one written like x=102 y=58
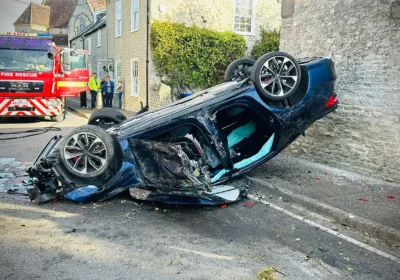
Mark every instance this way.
x=363 y=199
x=390 y=197
x=266 y=274
x=7 y=175
x=70 y=231
x=18 y=189
x=249 y=203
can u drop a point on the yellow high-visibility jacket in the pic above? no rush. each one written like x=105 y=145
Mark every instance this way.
x=94 y=84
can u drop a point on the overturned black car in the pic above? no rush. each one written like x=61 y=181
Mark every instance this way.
x=185 y=152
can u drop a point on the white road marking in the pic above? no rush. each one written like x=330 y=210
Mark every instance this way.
x=328 y=230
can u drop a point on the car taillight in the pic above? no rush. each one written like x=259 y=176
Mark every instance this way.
x=333 y=99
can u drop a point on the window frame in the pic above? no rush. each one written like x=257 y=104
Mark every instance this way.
x=253 y=19
x=89 y=45
x=133 y=14
x=98 y=38
x=132 y=93
x=118 y=19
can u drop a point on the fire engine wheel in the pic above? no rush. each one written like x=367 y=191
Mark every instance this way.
x=276 y=76
x=88 y=152
x=58 y=118
x=106 y=118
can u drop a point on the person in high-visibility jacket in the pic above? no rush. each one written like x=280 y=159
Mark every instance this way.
x=94 y=85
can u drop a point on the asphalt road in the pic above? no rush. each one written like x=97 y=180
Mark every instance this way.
x=125 y=239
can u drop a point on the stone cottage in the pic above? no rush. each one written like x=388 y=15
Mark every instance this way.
x=127 y=35
x=363 y=39
x=62 y=18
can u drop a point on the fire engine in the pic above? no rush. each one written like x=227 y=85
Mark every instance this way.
x=36 y=76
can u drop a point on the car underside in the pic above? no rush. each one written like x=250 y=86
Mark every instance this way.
x=187 y=151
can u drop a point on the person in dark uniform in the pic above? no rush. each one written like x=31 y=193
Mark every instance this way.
x=103 y=93
x=83 y=98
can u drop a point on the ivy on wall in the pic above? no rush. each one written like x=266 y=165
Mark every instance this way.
x=192 y=57
x=269 y=42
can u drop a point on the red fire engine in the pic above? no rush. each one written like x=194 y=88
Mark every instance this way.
x=36 y=75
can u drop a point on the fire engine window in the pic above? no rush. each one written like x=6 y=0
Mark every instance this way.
x=78 y=60
x=25 y=60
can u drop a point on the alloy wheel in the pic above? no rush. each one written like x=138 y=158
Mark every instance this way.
x=85 y=153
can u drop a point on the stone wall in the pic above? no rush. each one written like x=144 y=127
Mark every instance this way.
x=363 y=39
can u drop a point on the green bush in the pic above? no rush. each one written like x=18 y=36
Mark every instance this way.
x=192 y=57
x=269 y=42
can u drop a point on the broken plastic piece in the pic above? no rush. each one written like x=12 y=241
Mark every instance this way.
x=363 y=199
x=228 y=193
x=390 y=197
x=7 y=175
x=81 y=195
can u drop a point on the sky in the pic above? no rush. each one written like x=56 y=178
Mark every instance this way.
x=10 y=10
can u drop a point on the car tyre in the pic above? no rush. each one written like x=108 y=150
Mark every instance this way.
x=106 y=117
x=238 y=67
x=276 y=76
x=89 y=152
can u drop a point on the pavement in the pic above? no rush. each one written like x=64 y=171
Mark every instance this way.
x=73 y=104
x=367 y=204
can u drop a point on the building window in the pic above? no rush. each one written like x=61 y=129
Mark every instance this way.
x=99 y=38
x=117 y=69
x=244 y=16
x=118 y=18
x=134 y=77
x=82 y=24
x=90 y=68
x=89 y=46
x=135 y=15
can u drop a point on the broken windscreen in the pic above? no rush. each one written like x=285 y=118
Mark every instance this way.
x=25 y=60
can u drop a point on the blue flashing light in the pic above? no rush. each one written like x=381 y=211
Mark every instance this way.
x=45 y=35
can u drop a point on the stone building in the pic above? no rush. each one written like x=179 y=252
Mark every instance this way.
x=94 y=40
x=127 y=35
x=363 y=39
x=62 y=18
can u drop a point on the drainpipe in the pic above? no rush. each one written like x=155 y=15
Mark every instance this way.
x=147 y=54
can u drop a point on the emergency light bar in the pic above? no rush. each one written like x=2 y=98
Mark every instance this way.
x=22 y=34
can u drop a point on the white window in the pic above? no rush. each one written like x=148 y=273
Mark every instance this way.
x=118 y=18
x=117 y=69
x=244 y=16
x=134 y=77
x=89 y=46
x=99 y=38
x=135 y=15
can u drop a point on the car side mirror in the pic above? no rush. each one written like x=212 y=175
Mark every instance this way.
x=66 y=61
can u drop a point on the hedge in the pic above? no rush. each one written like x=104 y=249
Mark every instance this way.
x=269 y=42
x=190 y=57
